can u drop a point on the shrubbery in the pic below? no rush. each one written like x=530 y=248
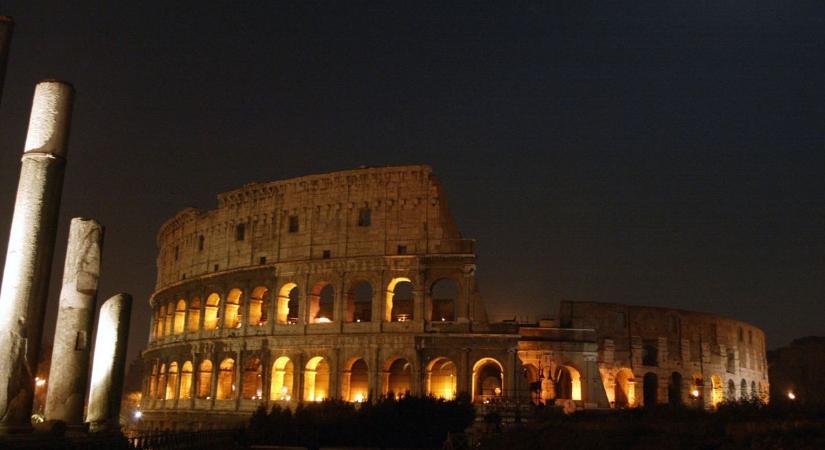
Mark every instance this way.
x=411 y=422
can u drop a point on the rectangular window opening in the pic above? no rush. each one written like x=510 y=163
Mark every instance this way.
x=364 y=217
x=402 y=249
x=294 y=225
x=240 y=232
x=327 y=254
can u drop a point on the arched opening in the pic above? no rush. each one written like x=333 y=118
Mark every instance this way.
x=441 y=379
x=731 y=391
x=257 y=307
x=568 y=383
x=210 y=316
x=399 y=378
x=170 y=317
x=651 y=389
x=186 y=381
x=444 y=294
x=194 y=315
x=253 y=382
x=161 y=382
x=533 y=382
x=316 y=380
x=232 y=315
x=674 y=390
x=287 y=309
x=488 y=380
x=697 y=390
x=321 y=303
x=356 y=382
x=226 y=380
x=153 y=382
x=359 y=302
x=282 y=379
x=172 y=381
x=205 y=379
x=754 y=393
x=399 y=300
x=180 y=316
x=743 y=390
x=717 y=394
x=623 y=392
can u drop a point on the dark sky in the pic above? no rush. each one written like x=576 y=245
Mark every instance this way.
x=668 y=154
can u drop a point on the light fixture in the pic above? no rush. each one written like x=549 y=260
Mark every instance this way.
x=791 y=395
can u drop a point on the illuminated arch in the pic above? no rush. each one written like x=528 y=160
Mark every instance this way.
x=355 y=382
x=194 y=315
x=253 y=380
x=398 y=300
x=153 y=381
x=170 y=316
x=282 y=379
x=488 y=379
x=398 y=377
x=287 y=308
x=257 y=306
x=568 y=383
x=624 y=393
x=185 y=381
x=316 y=379
x=172 y=381
x=717 y=394
x=232 y=312
x=210 y=313
x=226 y=380
x=180 y=317
x=322 y=303
x=442 y=378
x=205 y=379
x=161 y=392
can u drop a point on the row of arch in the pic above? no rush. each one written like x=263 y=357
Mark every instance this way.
x=680 y=391
x=171 y=381
x=178 y=316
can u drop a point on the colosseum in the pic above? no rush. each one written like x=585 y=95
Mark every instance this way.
x=358 y=284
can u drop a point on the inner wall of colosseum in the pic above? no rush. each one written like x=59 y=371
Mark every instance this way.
x=358 y=284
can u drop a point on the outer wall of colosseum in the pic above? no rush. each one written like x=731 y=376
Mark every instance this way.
x=358 y=284
x=660 y=355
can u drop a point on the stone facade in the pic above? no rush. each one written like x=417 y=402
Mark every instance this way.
x=351 y=285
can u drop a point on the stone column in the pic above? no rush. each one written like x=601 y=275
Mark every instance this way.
x=25 y=285
x=67 y=377
x=6 y=29
x=108 y=364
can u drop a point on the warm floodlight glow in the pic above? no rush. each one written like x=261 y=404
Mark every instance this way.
x=791 y=396
x=138 y=414
x=323 y=319
x=695 y=393
x=39 y=382
x=359 y=398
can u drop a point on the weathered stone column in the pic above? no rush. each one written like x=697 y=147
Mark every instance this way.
x=108 y=363
x=31 y=245
x=6 y=29
x=75 y=318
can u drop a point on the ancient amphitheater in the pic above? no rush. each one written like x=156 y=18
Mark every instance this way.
x=358 y=284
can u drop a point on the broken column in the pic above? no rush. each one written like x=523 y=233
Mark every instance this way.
x=75 y=317
x=109 y=363
x=25 y=284
x=6 y=28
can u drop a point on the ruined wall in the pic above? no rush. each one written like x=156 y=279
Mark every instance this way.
x=681 y=351
x=347 y=214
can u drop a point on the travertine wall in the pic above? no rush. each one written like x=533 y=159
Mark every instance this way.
x=406 y=207
x=706 y=351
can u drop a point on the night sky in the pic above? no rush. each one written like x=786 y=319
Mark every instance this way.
x=652 y=154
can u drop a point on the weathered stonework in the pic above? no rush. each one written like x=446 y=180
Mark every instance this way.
x=352 y=285
x=108 y=364
x=66 y=393
x=25 y=284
